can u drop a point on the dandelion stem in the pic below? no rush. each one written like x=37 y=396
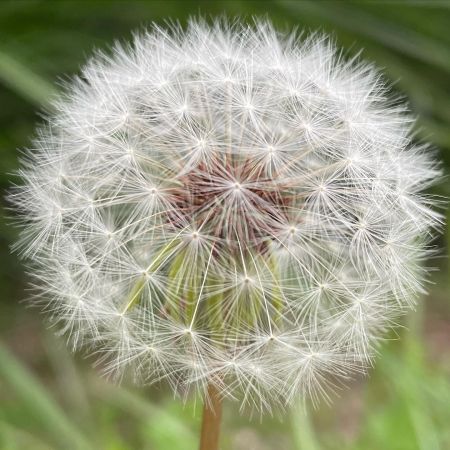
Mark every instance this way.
x=212 y=413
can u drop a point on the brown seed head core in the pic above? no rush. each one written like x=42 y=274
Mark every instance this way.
x=232 y=200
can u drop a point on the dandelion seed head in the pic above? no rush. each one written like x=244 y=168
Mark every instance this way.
x=229 y=204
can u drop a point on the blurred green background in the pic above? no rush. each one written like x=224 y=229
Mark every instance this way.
x=50 y=399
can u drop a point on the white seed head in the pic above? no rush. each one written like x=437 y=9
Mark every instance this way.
x=227 y=204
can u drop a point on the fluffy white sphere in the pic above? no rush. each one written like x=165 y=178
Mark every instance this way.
x=226 y=204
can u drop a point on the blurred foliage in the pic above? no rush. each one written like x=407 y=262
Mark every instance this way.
x=49 y=400
x=61 y=404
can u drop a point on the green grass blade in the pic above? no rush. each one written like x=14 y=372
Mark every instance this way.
x=39 y=402
x=12 y=438
x=67 y=373
x=24 y=82
x=163 y=428
x=350 y=17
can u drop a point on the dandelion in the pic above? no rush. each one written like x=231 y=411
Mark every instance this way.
x=229 y=209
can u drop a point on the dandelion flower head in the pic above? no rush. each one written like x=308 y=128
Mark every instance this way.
x=228 y=204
